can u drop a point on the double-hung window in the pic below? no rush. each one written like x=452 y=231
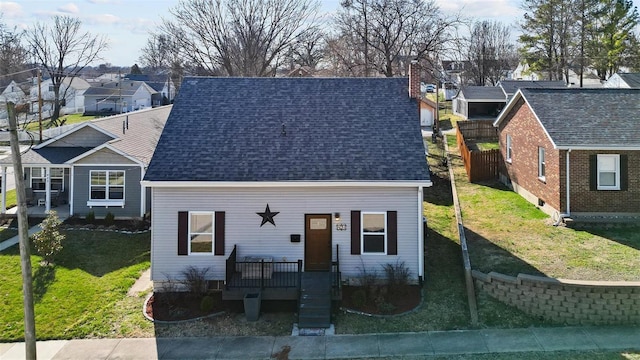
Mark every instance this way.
x=106 y=185
x=608 y=172
x=374 y=233
x=201 y=230
x=541 y=164
x=39 y=178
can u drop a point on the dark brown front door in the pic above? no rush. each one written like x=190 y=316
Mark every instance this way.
x=317 y=242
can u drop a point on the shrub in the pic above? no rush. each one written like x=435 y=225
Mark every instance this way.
x=109 y=218
x=206 y=304
x=91 y=217
x=398 y=275
x=359 y=298
x=384 y=307
x=369 y=281
x=195 y=280
x=48 y=242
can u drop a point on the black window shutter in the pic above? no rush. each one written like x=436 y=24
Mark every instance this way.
x=355 y=233
x=624 y=173
x=183 y=232
x=593 y=172
x=392 y=233
x=219 y=236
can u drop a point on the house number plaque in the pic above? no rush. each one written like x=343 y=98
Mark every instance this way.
x=341 y=227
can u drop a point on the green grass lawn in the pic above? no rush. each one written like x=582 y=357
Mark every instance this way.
x=84 y=295
x=508 y=234
x=68 y=120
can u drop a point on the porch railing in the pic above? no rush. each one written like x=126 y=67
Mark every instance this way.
x=261 y=274
x=336 y=276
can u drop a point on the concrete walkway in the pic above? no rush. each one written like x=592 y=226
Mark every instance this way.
x=14 y=240
x=431 y=343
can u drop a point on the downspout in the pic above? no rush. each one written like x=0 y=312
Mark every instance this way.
x=567 y=213
x=421 y=222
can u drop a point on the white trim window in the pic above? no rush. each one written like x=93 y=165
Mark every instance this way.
x=106 y=185
x=39 y=178
x=374 y=233
x=608 y=172
x=201 y=230
x=542 y=164
x=509 y=150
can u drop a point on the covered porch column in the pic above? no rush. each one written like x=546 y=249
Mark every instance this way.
x=3 y=189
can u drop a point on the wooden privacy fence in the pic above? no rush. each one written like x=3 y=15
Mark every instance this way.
x=480 y=165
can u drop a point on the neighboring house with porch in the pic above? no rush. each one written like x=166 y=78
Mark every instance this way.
x=573 y=152
x=95 y=166
x=479 y=102
x=318 y=174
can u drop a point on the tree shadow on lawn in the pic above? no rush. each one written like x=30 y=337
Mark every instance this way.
x=43 y=277
x=100 y=253
x=622 y=233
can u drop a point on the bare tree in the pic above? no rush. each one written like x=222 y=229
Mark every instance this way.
x=309 y=48
x=390 y=33
x=490 y=52
x=63 y=51
x=13 y=56
x=238 y=37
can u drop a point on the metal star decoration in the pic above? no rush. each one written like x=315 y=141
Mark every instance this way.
x=267 y=216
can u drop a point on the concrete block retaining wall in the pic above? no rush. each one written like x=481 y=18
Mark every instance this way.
x=571 y=302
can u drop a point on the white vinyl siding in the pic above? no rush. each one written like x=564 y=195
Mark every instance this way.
x=242 y=225
x=608 y=172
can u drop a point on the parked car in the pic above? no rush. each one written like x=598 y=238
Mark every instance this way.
x=431 y=88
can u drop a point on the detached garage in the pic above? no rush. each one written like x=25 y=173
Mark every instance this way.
x=479 y=102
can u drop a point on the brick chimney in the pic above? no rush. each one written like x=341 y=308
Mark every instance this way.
x=414 y=80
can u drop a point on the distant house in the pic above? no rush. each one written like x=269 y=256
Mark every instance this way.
x=479 y=102
x=573 y=152
x=623 y=81
x=95 y=166
x=114 y=97
x=71 y=96
x=312 y=172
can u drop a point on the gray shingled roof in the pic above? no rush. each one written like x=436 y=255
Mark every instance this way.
x=597 y=118
x=511 y=86
x=138 y=141
x=490 y=93
x=632 y=79
x=291 y=129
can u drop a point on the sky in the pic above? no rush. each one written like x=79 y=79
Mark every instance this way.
x=127 y=23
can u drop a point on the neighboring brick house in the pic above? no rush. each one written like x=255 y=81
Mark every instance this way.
x=583 y=140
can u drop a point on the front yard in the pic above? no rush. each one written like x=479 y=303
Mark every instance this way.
x=84 y=295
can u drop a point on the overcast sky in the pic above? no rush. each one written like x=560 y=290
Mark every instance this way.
x=126 y=23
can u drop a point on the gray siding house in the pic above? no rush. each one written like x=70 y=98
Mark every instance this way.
x=95 y=166
x=310 y=171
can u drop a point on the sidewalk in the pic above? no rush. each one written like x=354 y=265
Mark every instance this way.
x=14 y=240
x=431 y=343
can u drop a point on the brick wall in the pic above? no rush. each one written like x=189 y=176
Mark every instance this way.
x=526 y=136
x=602 y=201
x=566 y=301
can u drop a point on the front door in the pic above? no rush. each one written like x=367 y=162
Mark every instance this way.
x=317 y=242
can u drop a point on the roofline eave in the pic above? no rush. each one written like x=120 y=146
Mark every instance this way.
x=281 y=184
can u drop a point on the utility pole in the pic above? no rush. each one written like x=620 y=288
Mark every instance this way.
x=40 y=104
x=23 y=235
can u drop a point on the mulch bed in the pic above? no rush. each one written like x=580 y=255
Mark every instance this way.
x=101 y=224
x=175 y=306
x=401 y=301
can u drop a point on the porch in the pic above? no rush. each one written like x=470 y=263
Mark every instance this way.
x=40 y=211
x=276 y=280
